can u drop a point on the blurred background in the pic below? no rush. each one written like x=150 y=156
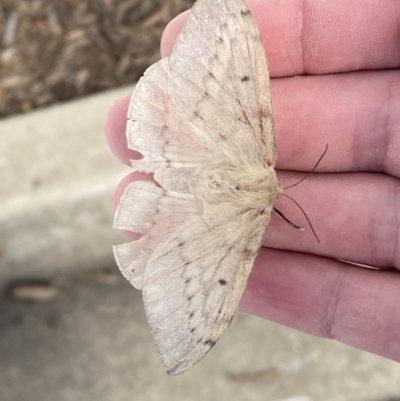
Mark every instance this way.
x=71 y=328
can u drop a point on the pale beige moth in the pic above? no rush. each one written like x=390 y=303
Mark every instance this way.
x=203 y=121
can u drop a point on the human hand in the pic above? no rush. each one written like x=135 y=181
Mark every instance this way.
x=349 y=99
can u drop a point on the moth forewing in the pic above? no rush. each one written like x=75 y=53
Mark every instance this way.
x=203 y=121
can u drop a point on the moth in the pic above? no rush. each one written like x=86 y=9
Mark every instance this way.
x=203 y=121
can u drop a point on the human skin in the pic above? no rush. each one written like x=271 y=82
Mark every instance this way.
x=335 y=79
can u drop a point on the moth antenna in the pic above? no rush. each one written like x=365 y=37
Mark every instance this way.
x=310 y=172
x=304 y=213
x=280 y=214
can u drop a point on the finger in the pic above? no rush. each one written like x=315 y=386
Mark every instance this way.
x=357 y=111
x=356 y=217
x=171 y=32
x=320 y=37
x=125 y=182
x=119 y=193
x=357 y=114
x=327 y=298
x=115 y=131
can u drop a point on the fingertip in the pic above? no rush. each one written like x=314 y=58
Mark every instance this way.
x=171 y=32
x=136 y=176
x=115 y=130
x=119 y=192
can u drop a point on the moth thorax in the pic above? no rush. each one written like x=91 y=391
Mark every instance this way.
x=253 y=187
x=257 y=180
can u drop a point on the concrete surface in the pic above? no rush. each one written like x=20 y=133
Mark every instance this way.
x=92 y=343
x=90 y=339
x=57 y=178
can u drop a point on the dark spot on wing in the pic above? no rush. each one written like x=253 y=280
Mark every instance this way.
x=211 y=343
x=220 y=40
x=192 y=330
x=187 y=280
x=222 y=281
x=206 y=94
x=245 y=78
x=266 y=112
x=191 y=315
x=245 y=13
x=248 y=254
x=211 y=74
x=197 y=115
x=190 y=298
x=181 y=243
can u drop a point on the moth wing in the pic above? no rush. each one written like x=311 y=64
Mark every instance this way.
x=192 y=275
x=219 y=81
x=210 y=100
x=192 y=287
x=156 y=214
x=156 y=129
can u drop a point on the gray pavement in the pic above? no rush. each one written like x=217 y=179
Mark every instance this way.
x=90 y=339
x=57 y=178
x=92 y=342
